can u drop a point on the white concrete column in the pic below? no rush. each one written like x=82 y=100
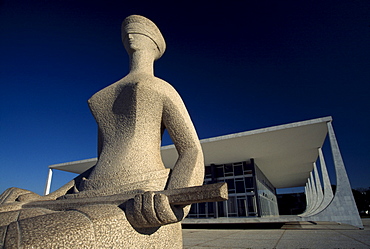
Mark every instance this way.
x=343 y=201
x=310 y=197
x=48 y=182
x=328 y=191
x=306 y=191
x=314 y=193
x=307 y=196
x=320 y=195
x=343 y=207
x=343 y=184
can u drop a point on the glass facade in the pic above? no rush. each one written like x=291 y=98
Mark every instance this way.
x=250 y=192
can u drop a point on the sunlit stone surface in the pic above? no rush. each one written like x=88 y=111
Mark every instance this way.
x=131 y=114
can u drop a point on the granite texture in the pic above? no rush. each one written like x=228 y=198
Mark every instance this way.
x=131 y=115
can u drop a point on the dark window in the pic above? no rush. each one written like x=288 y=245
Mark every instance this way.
x=248 y=172
x=208 y=172
x=231 y=206
x=239 y=185
x=193 y=209
x=220 y=171
x=238 y=170
x=221 y=209
x=242 y=207
x=249 y=182
x=247 y=166
x=202 y=209
x=210 y=208
x=229 y=170
x=230 y=185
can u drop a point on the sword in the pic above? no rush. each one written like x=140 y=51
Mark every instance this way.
x=183 y=196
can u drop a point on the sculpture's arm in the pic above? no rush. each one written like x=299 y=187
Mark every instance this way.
x=189 y=168
x=150 y=209
x=60 y=191
x=14 y=194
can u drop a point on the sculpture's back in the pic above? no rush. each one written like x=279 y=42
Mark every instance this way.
x=131 y=115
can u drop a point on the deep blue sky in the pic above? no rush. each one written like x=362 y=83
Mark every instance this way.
x=239 y=65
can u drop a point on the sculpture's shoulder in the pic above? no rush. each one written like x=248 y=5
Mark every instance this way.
x=102 y=94
x=167 y=91
x=163 y=85
x=111 y=91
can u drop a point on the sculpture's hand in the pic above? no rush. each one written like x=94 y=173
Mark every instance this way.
x=17 y=194
x=14 y=198
x=152 y=210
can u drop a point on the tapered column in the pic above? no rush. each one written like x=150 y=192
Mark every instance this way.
x=312 y=196
x=48 y=182
x=307 y=198
x=328 y=191
x=310 y=201
x=307 y=193
x=314 y=193
x=343 y=207
x=318 y=190
x=343 y=185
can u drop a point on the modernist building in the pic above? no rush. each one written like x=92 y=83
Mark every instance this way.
x=256 y=163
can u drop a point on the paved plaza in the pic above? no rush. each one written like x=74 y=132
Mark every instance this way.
x=291 y=235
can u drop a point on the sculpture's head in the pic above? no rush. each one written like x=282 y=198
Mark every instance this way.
x=136 y=24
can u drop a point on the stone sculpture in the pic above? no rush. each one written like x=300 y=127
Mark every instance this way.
x=132 y=115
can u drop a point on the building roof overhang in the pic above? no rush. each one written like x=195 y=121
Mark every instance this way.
x=284 y=153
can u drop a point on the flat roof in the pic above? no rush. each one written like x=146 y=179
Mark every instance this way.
x=284 y=153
